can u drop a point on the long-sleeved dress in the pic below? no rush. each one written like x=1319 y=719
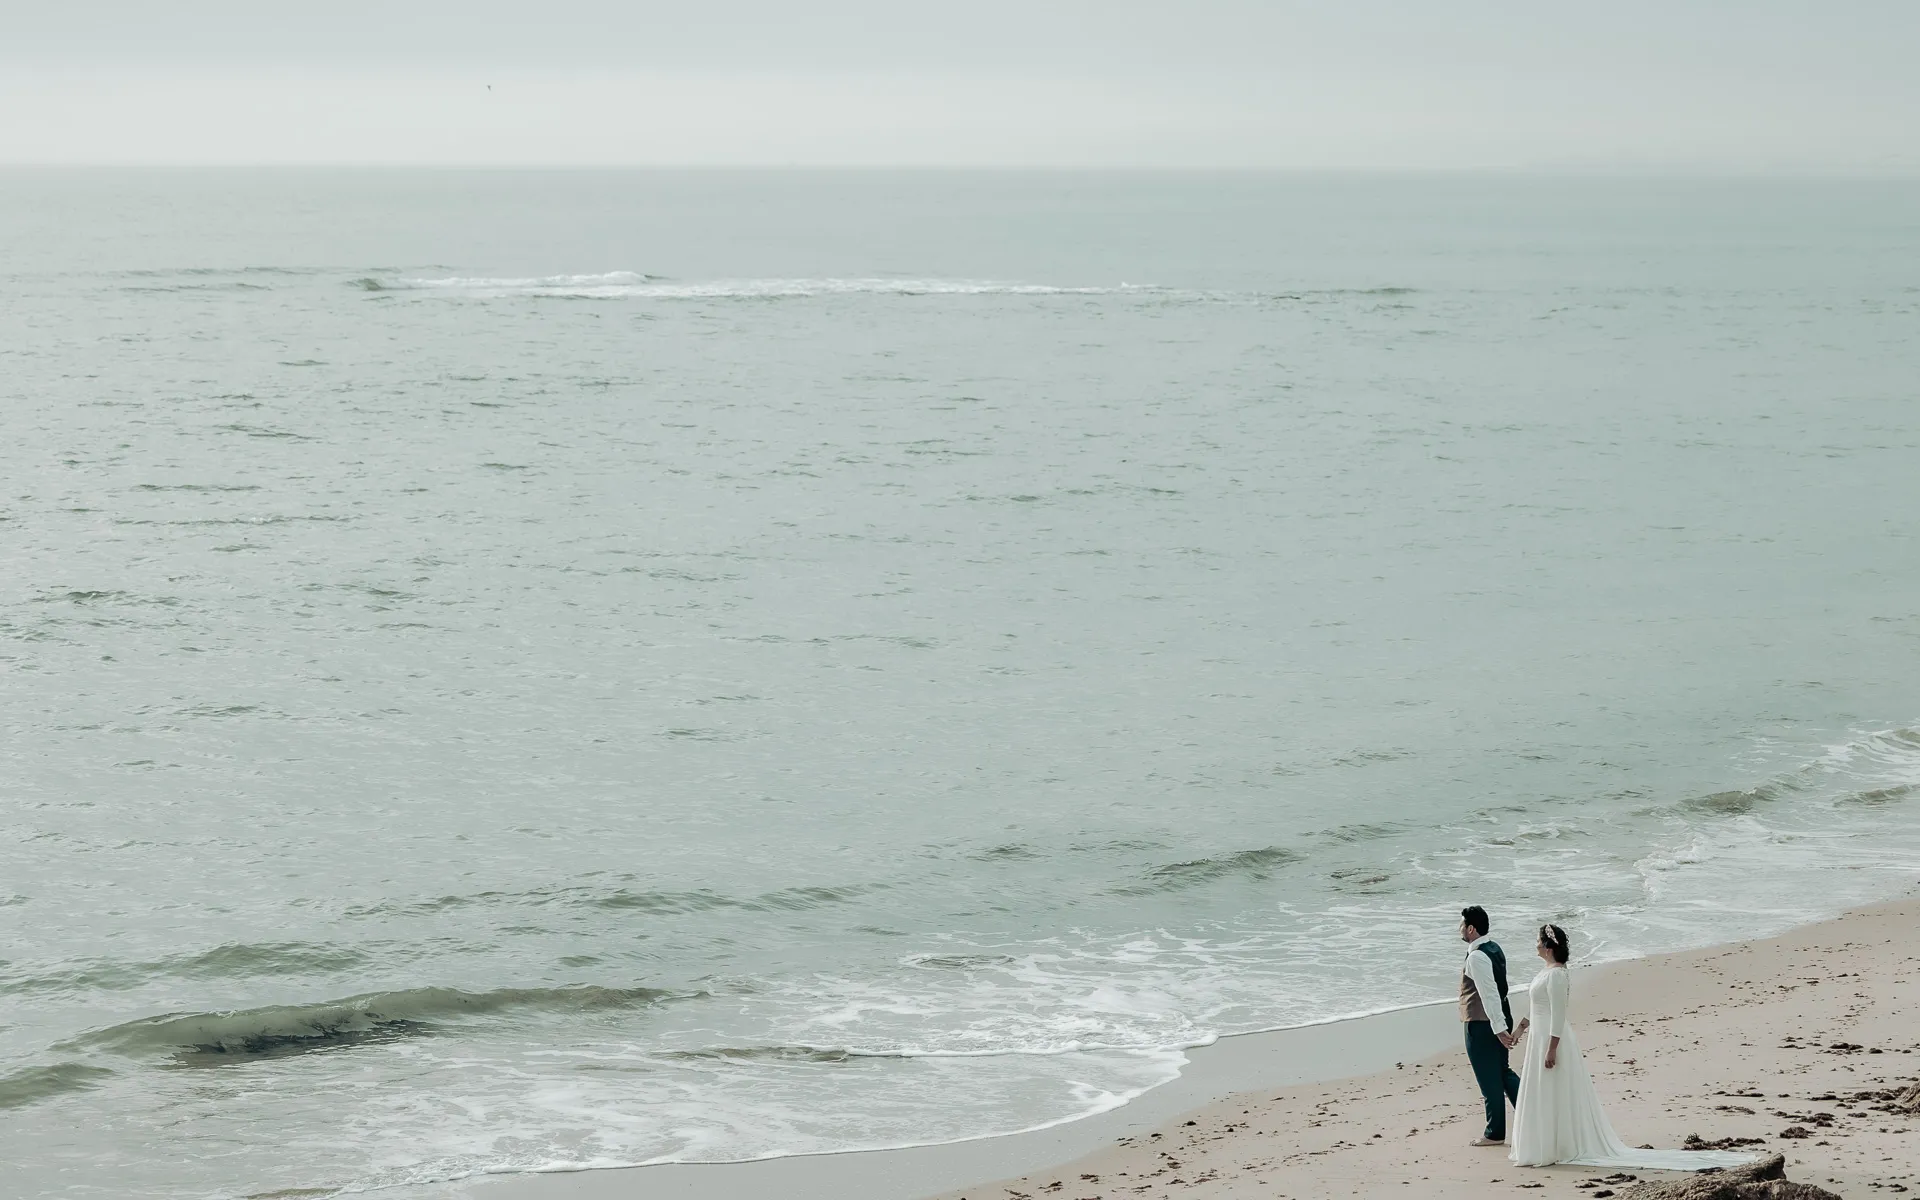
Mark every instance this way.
x=1558 y=1118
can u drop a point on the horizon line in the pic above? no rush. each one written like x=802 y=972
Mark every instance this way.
x=1648 y=171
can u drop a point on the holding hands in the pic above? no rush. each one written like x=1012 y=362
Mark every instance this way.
x=1553 y=1044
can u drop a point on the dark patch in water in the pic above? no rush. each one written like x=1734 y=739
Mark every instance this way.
x=196 y=487
x=213 y=1039
x=1011 y=851
x=259 y=431
x=774 y=1054
x=1733 y=803
x=288 y=1045
x=961 y=962
x=1361 y=758
x=212 y=710
x=1364 y=833
x=1365 y=881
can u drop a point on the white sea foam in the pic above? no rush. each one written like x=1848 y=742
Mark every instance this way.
x=622 y=285
x=1006 y=1037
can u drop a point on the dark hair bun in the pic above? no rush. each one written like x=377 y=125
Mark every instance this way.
x=1554 y=939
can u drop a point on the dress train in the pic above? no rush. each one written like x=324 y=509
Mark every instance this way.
x=1559 y=1119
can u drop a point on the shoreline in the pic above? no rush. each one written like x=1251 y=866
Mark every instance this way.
x=1366 y=1059
x=1237 y=1062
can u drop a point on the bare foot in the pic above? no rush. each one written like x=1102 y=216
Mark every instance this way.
x=1487 y=1141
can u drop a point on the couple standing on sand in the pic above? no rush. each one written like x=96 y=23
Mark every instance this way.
x=1557 y=1117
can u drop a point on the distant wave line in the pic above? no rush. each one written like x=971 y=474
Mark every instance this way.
x=636 y=285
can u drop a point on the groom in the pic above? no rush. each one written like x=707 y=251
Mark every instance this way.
x=1488 y=1018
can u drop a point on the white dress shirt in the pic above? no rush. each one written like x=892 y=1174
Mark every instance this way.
x=1479 y=968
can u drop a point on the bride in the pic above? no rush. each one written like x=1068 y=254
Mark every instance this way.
x=1558 y=1118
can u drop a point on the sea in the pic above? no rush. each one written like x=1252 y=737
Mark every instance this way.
x=509 y=671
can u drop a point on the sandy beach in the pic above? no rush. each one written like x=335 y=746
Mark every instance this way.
x=1801 y=1043
x=1791 y=1041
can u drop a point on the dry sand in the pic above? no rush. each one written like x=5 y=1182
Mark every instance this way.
x=1750 y=1040
x=1785 y=1040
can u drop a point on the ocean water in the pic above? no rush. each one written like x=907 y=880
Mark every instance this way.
x=505 y=671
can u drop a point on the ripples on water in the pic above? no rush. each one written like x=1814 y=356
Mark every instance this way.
x=877 y=676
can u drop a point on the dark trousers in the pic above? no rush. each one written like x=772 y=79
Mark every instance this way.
x=1497 y=1081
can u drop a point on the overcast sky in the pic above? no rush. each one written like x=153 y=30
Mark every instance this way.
x=1715 y=85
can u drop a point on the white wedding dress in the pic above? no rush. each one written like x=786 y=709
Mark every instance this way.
x=1558 y=1118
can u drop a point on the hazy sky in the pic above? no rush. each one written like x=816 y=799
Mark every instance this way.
x=1709 y=85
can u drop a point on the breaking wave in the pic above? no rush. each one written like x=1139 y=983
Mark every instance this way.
x=1886 y=762
x=1254 y=865
x=646 y=903
x=37 y=1083
x=235 y=960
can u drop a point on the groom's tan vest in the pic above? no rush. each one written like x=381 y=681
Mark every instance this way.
x=1471 y=1006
